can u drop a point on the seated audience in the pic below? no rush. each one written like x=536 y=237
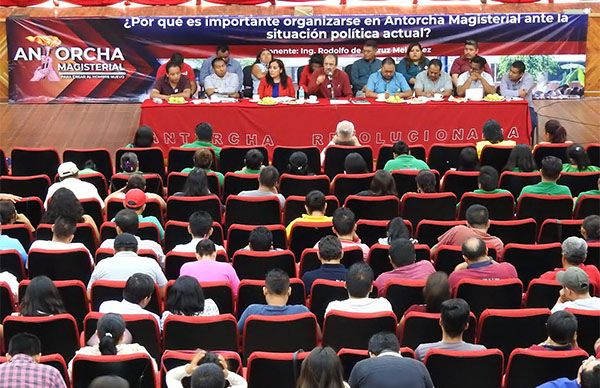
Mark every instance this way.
x=253 y=162
x=315 y=205
x=203 y=160
x=276 y=83
x=208 y=269
x=403 y=160
x=196 y=185
x=359 y=284
x=9 y=215
x=135 y=200
x=413 y=63
x=221 y=83
x=426 y=182
x=435 y=292
x=129 y=163
x=186 y=70
x=588 y=376
x=277 y=292
x=478 y=265
x=382 y=184
x=520 y=159
x=185 y=297
x=386 y=368
x=478 y=223
x=63 y=231
x=575 y=292
x=68 y=173
x=315 y=62
x=354 y=163
x=589 y=192
x=475 y=78
x=330 y=254
x=345 y=135
x=200 y=228
x=207 y=370
x=298 y=164
x=344 y=226
x=432 y=80
x=574 y=253
x=8 y=243
x=267 y=185
x=554 y=132
x=329 y=81
x=562 y=332
x=41 y=299
x=387 y=82
x=403 y=259
x=172 y=84
x=492 y=135
x=578 y=160
x=136 y=181
x=590 y=228
x=550 y=171
x=454 y=321
x=260 y=68
x=137 y=294
x=322 y=368
x=143 y=138
x=463 y=63
x=396 y=229
x=204 y=138
x=260 y=240
x=468 y=160
x=126 y=262
x=232 y=66
x=362 y=68
x=22 y=367
x=487 y=181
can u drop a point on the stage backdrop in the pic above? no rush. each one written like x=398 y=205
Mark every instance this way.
x=115 y=59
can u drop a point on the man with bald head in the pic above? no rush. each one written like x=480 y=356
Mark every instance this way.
x=329 y=81
x=478 y=265
x=345 y=135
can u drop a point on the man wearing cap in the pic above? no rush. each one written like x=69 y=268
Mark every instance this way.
x=135 y=199
x=575 y=292
x=68 y=173
x=574 y=252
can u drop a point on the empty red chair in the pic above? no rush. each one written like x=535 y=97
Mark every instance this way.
x=500 y=206
x=303 y=184
x=553 y=230
x=10 y=261
x=252 y=210
x=234 y=183
x=307 y=234
x=579 y=182
x=515 y=181
x=532 y=260
x=137 y=369
x=256 y=264
x=26 y=186
x=251 y=292
x=419 y=328
x=209 y=333
x=100 y=157
x=586 y=205
x=514 y=231
x=281 y=157
x=588 y=328
x=344 y=185
x=151 y=159
x=232 y=157
x=373 y=208
x=7 y=300
x=542 y=207
x=335 y=156
x=350 y=357
x=495 y=156
x=295 y=207
x=34 y=161
x=403 y=293
x=268 y=369
x=428 y=231
x=370 y=231
x=181 y=208
x=72 y=264
x=443 y=157
x=459 y=182
x=540 y=151
x=542 y=293
x=406 y=183
x=237 y=236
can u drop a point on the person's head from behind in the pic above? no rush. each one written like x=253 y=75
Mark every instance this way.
x=436 y=291
x=397 y=229
x=129 y=162
x=63 y=203
x=260 y=239
x=521 y=158
x=383 y=342
x=354 y=163
x=344 y=222
x=8 y=212
x=383 y=183
x=203 y=159
x=135 y=181
x=330 y=249
x=400 y=148
x=551 y=168
x=562 y=327
x=24 y=343
x=345 y=132
x=468 y=160
x=574 y=251
x=110 y=330
x=185 y=297
x=315 y=201
x=402 y=253
x=206 y=249
x=41 y=298
x=488 y=178
x=64 y=229
x=208 y=375
x=127 y=221
x=298 y=164
x=139 y=289
x=109 y=382
x=575 y=284
x=322 y=368
x=426 y=182
x=478 y=217
x=590 y=228
x=578 y=156
x=554 y=132
x=200 y=224
x=454 y=318
x=144 y=137
x=254 y=159
x=204 y=132
x=474 y=250
x=492 y=132
x=268 y=177
x=589 y=373
x=277 y=285
x=359 y=280
x=126 y=242
x=135 y=199
x=196 y=184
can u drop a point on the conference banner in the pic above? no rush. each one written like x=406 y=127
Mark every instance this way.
x=115 y=59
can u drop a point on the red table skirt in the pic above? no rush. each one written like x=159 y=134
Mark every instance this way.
x=249 y=124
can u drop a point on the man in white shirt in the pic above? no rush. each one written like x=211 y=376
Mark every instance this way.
x=136 y=296
x=127 y=221
x=126 y=262
x=575 y=292
x=359 y=284
x=200 y=228
x=63 y=232
x=344 y=226
x=69 y=179
x=476 y=78
x=221 y=83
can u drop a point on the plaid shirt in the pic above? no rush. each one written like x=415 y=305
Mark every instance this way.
x=23 y=372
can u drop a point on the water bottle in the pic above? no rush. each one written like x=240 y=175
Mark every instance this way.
x=301 y=94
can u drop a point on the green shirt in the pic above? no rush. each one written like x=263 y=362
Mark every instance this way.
x=247 y=171
x=567 y=167
x=155 y=221
x=495 y=191
x=546 y=188
x=591 y=192
x=220 y=176
x=85 y=171
x=200 y=144
x=405 y=162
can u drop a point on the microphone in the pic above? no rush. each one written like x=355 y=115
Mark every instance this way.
x=330 y=76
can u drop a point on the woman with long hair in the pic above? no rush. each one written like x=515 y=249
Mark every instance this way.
x=396 y=229
x=186 y=298
x=276 y=83
x=203 y=159
x=315 y=62
x=323 y=369
x=41 y=299
x=554 y=132
x=578 y=160
x=520 y=159
x=260 y=67
x=196 y=185
x=143 y=138
x=382 y=184
x=435 y=292
x=413 y=63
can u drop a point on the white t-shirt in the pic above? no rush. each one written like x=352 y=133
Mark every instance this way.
x=124 y=264
x=125 y=307
x=81 y=189
x=592 y=303
x=360 y=305
x=191 y=246
x=474 y=84
x=142 y=244
x=59 y=246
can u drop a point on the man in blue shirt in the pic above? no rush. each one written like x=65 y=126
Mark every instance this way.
x=7 y=243
x=387 y=81
x=364 y=67
x=277 y=292
x=518 y=83
x=233 y=66
x=330 y=253
x=587 y=377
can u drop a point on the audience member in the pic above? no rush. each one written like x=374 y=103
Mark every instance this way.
x=344 y=226
x=478 y=265
x=276 y=83
x=413 y=63
x=329 y=81
x=63 y=231
x=135 y=200
x=298 y=164
x=277 y=292
x=268 y=180
x=362 y=68
x=207 y=370
x=403 y=160
x=492 y=135
x=260 y=68
x=203 y=160
x=550 y=171
x=232 y=66
x=433 y=80
x=204 y=138
x=387 y=82
x=322 y=368
x=143 y=138
x=172 y=84
x=315 y=62
x=562 y=332
x=9 y=215
x=186 y=70
x=260 y=240
x=109 y=382
x=396 y=229
x=359 y=284
x=200 y=227
x=478 y=223
x=345 y=135
x=382 y=184
x=137 y=294
x=253 y=162
x=590 y=228
x=475 y=78
x=22 y=367
x=589 y=192
x=520 y=159
x=196 y=185
x=386 y=368
x=354 y=163
x=330 y=254
x=487 y=181
x=578 y=160
x=468 y=160
x=41 y=299
x=454 y=321
x=129 y=163
x=221 y=83
x=135 y=181
x=575 y=292
x=403 y=259
x=554 y=132
x=426 y=182
x=588 y=376
x=68 y=173
x=9 y=243
x=463 y=63
x=185 y=297
x=208 y=269
x=435 y=292
x=518 y=83
x=315 y=205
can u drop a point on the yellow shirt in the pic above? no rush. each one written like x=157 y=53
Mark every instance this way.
x=483 y=143
x=306 y=218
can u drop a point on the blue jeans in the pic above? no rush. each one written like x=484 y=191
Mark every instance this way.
x=534 y=123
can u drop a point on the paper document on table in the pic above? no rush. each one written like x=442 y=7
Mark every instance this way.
x=339 y=102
